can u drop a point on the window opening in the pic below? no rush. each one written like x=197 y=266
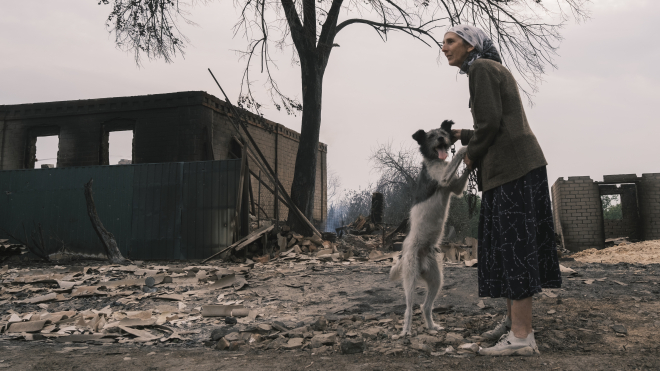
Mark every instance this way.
x=235 y=148
x=46 y=151
x=612 y=209
x=120 y=147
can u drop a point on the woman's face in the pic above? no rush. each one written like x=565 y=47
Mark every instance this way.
x=455 y=49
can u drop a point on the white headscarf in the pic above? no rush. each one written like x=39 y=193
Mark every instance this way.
x=483 y=45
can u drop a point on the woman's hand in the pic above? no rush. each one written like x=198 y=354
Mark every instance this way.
x=468 y=162
x=455 y=135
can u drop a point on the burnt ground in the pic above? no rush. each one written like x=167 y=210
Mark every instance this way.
x=575 y=326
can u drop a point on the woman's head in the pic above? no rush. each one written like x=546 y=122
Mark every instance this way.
x=456 y=49
x=463 y=44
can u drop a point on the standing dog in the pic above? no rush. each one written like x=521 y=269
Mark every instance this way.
x=435 y=184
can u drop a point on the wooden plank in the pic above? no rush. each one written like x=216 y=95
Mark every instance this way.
x=243 y=241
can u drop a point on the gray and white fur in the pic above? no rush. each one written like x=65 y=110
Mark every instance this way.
x=436 y=183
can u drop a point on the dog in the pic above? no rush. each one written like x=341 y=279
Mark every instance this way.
x=436 y=182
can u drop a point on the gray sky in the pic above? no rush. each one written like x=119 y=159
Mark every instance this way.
x=592 y=116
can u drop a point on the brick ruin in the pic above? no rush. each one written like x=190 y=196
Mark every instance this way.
x=578 y=212
x=174 y=127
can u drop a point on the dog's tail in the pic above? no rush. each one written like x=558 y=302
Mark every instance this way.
x=395 y=272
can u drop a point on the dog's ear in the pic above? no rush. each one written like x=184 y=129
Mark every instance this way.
x=419 y=136
x=446 y=126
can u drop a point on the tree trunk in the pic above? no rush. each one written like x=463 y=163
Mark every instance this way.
x=304 y=177
x=108 y=240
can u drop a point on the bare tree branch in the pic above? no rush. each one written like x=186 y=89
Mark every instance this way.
x=524 y=30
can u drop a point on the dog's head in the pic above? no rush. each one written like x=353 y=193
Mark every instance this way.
x=434 y=143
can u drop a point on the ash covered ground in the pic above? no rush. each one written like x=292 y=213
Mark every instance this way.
x=309 y=313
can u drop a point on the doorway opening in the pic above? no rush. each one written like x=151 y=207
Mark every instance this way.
x=611 y=207
x=620 y=211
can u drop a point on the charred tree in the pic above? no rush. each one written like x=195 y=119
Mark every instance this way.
x=108 y=240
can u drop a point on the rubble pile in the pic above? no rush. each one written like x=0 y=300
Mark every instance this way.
x=323 y=302
x=236 y=304
x=227 y=306
x=104 y=304
x=288 y=241
x=360 y=226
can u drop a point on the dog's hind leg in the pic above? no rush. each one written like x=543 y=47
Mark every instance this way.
x=433 y=277
x=409 y=289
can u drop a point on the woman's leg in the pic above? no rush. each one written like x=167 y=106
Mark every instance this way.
x=521 y=316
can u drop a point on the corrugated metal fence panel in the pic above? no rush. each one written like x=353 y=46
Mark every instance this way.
x=155 y=211
x=157 y=207
x=209 y=202
x=54 y=199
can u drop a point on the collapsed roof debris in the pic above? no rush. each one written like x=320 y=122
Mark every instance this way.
x=336 y=299
x=175 y=303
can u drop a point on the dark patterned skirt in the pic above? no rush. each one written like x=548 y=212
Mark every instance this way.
x=517 y=252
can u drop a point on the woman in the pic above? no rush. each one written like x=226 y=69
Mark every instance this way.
x=517 y=254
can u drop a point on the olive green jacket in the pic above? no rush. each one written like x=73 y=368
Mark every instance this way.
x=502 y=144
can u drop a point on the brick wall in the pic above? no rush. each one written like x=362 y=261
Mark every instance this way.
x=176 y=127
x=579 y=213
x=167 y=128
x=615 y=228
x=650 y=206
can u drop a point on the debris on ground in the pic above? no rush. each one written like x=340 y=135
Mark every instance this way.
x=644 y=252
x=228 y=305
x=329 y=298
x=8 y=250
x=609 y=242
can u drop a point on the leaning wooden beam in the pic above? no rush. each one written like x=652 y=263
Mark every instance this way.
x=239 y=196
x=243 y=241
x=265 y=185
x=273 y=178
x=253 y=237
x=270 y=171
x=108 y=240
x=285 y=196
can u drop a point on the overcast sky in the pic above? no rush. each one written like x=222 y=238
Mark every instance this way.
x=593 y=115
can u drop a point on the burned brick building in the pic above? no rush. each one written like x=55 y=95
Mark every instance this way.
x=175 y=127
x=578 y=212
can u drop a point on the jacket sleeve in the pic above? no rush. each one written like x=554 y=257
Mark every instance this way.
x=486 y=109
x=466 y=135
